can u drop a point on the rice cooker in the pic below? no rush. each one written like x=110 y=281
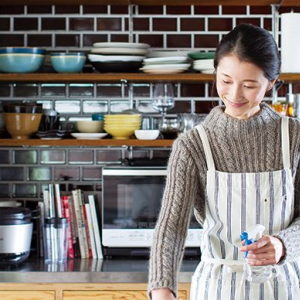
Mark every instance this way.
x=15 y=234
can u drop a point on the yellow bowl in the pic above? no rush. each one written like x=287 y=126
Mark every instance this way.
x=120 y=133
x=136 y=126
x=123 y=117
x=120 y=123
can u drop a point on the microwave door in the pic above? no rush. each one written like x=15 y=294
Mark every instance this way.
x=131 y=206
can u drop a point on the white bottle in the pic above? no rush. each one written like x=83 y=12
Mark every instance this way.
x=257 y=274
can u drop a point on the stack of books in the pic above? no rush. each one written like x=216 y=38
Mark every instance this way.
x=84 y=239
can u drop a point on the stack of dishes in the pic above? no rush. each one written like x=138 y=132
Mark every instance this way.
x=118 y=57
x=122 y=126
x=203 y=61
x=165 y=65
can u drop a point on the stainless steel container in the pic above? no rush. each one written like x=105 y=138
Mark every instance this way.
x=15 y=234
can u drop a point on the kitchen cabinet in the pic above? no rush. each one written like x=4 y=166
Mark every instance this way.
x=81 y=291
x=26 y=295
x=154 y=2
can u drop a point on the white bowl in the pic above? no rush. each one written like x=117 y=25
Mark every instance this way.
x=89 y=126
x=146 y=134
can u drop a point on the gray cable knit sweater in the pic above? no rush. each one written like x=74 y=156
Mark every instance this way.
x=252 y=145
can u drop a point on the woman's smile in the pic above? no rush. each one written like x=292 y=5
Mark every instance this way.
x=236 y=104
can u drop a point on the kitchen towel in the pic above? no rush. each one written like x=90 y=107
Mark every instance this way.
x=290 y=42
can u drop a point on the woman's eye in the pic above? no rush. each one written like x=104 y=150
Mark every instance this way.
x=249 y=87
x=226 y=82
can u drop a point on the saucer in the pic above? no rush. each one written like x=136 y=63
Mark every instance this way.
x=88 y=136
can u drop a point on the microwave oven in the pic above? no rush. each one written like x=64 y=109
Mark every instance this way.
x=131 y=201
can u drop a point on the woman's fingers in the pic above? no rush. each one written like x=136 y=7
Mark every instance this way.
x=267 y=250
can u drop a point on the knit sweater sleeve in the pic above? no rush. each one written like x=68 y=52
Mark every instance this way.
x=291 y=235
x=171 y=228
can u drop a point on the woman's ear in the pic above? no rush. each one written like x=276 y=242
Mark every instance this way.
x=271 y=83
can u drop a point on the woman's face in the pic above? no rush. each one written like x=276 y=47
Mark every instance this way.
x=241 y=86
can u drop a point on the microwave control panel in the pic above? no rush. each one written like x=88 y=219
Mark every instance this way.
x=142 y=237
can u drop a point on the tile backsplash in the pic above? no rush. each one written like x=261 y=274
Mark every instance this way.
x=25 y=172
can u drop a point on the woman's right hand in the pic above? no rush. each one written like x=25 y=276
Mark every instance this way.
x=162 y=294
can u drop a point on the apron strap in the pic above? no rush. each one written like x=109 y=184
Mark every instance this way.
x=207 y=149
x=285 y=142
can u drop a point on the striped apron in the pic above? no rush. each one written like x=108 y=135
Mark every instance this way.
x=236 y=202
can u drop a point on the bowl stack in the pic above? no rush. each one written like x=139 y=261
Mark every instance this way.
x=21 y=60
x=122 y=126
x=22 y=119
x=118 y=57
x=203 y=61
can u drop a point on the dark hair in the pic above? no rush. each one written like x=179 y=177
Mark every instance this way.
x=251 y=44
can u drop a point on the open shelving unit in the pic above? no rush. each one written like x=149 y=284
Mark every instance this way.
x=88 y=143
x=154 y=2
x=118 y=77
x=107 y=77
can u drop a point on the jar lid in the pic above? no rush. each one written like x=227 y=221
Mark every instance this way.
x=14 y=213
x=97 y=117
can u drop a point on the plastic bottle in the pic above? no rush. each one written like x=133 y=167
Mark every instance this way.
x=257 y=274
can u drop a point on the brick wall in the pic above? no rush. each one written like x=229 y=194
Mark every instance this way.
x=24 y=173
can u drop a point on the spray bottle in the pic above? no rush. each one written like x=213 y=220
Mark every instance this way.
x=258 y=274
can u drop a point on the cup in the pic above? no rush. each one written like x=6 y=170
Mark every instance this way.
x=56 y=240
x=50 y=120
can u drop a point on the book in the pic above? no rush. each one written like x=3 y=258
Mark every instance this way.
x=79 y=223
x=66 y=214
x=91 y=200
x=51 y=201
x=41 y=232
x=83 y=224
x=58 y=203
x=74 y=227
x=88 y=237
x=91 y=230
x=46 y=204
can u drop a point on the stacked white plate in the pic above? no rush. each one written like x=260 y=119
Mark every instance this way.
x=115 y=48
x=165 y=65
x=205 y=66
x=118 y=57
x=167 y=53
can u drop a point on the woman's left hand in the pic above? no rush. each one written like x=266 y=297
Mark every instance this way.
x=268 y=250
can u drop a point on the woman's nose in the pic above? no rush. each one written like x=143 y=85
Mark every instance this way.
x=236 y=93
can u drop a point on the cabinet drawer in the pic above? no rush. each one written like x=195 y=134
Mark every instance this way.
x=111 y=295
x=27 y=295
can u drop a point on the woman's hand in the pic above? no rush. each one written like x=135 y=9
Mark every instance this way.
x=268 y=250
x=162 y=294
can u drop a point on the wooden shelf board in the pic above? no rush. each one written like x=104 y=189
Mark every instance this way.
x=104 y=77
x=118 y=77
x=154 y=2
x=88 y=143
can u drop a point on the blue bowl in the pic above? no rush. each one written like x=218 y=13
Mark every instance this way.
x=23 y=50
x=20 y=62
x=68 y=62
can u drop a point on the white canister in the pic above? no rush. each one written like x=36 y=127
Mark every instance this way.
x=290 y=42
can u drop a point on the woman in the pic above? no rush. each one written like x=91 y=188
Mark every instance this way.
x=240 y=168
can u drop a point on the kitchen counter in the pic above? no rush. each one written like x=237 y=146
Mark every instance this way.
x=87 y=271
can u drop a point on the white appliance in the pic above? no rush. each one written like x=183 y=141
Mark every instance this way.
x=131 y=200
